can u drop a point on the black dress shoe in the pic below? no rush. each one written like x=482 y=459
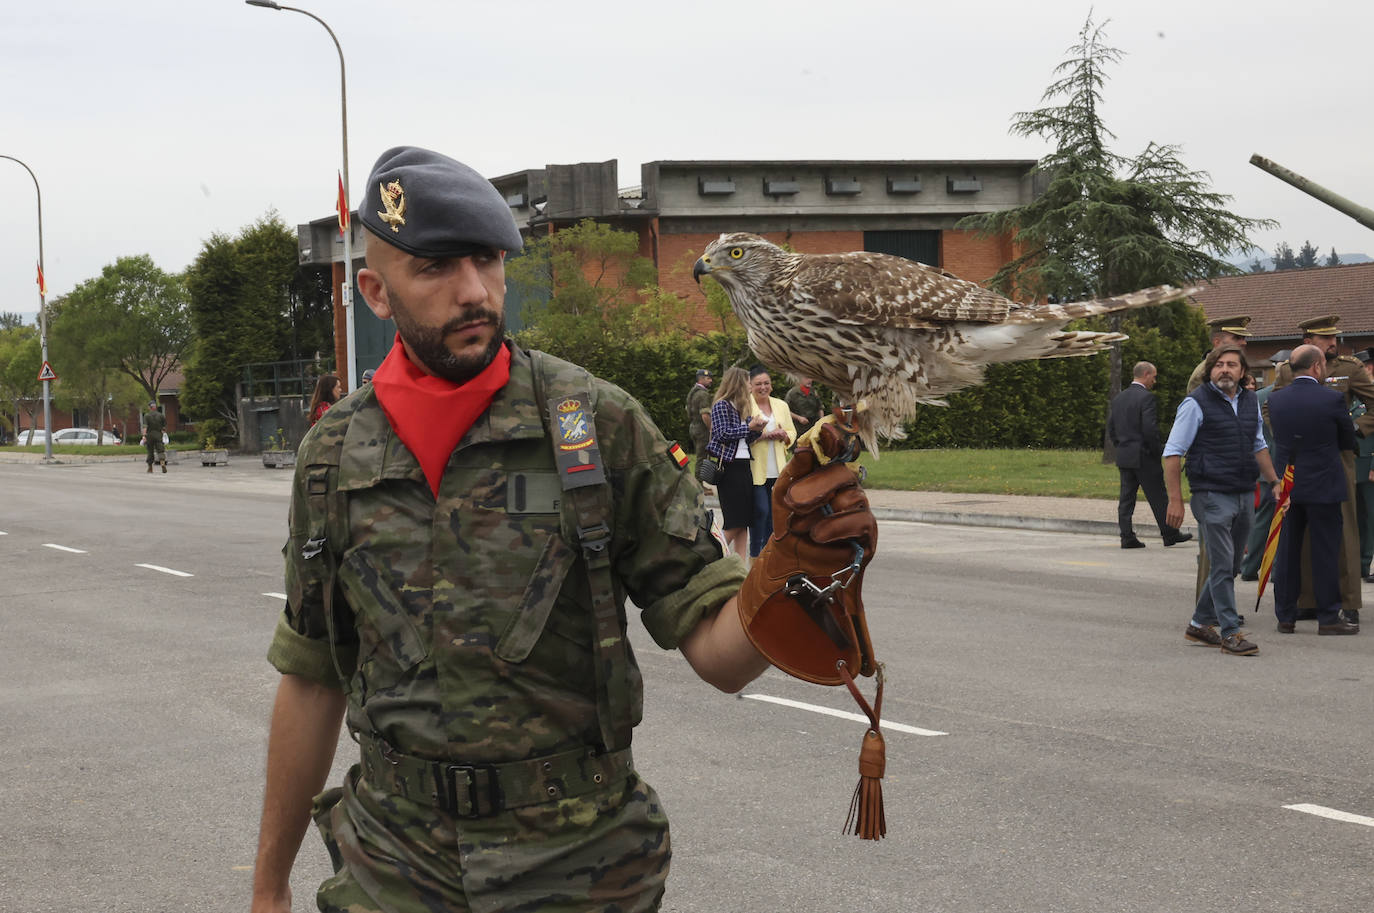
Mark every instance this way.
x=1286 y=627
x=1132 y=543
x=1351 y=616
x=1175 y=540
x=1339 y=627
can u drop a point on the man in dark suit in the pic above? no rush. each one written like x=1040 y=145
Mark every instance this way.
x=1134 y=431
x=1311 y=428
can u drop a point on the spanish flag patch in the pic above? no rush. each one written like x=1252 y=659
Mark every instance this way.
x=677 y=454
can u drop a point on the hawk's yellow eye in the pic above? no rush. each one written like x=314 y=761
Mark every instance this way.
x=736 y=253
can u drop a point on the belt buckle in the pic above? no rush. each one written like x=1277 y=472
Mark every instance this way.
x=465 y=796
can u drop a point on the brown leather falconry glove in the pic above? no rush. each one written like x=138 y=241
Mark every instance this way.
x=802 y=603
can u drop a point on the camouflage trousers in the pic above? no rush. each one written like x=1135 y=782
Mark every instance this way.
x=154 y=445
x=607 y=851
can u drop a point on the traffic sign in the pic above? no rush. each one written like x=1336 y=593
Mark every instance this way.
x=47 y=373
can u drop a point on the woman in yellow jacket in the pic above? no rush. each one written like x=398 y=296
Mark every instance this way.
x=768 y=454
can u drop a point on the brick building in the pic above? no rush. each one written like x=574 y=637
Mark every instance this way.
x=903 y=207
x=1278 y=301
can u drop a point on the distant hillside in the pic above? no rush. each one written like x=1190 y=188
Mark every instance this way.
x=1268 y=262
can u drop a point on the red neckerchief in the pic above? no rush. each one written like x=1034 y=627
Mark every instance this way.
x=431 y=414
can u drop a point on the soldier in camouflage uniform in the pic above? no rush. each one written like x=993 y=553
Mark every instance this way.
x=1346 y=375
x=466 y=615
x=699 y=412
x=154 y=423
x=804 y=402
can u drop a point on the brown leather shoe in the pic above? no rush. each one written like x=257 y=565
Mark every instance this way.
x=1287 y=627
x=1205 y=636
x=1340 y=627
x=1237 y=645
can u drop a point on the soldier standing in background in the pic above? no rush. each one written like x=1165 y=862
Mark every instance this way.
x=1364 y=477
x=699 y=412
x=1226 y=331
x=154 y=423
x=804 y=403
x=1264 y=513
x=1348 y=377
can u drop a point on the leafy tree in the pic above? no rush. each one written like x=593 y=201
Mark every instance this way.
x=1307 y=256
x=1334 y=259
x=21 y=357
x=244 y=292
x=10 y=320
x=1109 y=223
x=1257 y=267
x=596 y=289
x=132 y=320
x=1284 y=257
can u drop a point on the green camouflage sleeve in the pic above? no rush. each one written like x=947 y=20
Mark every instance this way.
x=300 y=645
x=671 y=564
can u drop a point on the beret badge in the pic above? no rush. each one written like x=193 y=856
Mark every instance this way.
x=394 y=199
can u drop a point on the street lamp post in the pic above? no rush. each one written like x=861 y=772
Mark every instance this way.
x=346 y=291
x=42 y=316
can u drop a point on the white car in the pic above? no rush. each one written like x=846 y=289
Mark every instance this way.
x=83 y=436
x=30 y=437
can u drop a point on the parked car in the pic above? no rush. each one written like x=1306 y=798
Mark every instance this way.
x=29 y=437
x=83 y=436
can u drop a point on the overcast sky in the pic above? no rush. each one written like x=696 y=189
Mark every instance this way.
x=154 y=124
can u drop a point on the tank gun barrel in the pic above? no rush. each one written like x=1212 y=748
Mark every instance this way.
x=1362 y=214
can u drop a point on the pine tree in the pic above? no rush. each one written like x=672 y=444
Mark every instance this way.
x=1334 y=259
x=1307 y=256
x=1108 y=223
x=1284 y=257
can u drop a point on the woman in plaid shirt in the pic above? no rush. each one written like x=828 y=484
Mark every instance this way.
x=731 y=435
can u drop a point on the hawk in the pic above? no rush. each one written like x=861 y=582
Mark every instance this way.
x=890 y=331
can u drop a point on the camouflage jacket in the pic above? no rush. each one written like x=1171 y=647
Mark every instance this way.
x=154 y=423
x=807 y=405
x=698 y=401
x=463 y=625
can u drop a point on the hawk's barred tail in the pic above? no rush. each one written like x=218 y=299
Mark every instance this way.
x=1042 y=313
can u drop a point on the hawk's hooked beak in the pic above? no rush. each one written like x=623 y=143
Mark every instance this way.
x=699 y=269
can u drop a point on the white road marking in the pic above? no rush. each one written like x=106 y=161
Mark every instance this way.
x=3 y=533
x=842 y=714
x=63 y=548
x=1334 y=814
x=276 y=595
x=165 y=570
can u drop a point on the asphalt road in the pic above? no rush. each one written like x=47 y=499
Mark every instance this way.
x=1092 y=760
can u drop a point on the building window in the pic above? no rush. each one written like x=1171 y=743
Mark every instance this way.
x=922 y=245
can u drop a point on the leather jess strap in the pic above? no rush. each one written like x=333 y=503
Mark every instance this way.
x=482 y=790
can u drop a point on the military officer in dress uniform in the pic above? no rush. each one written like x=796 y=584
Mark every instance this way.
x=1226 y=331
x=1347 y=376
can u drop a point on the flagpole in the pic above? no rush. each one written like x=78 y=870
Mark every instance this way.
x=42 y=315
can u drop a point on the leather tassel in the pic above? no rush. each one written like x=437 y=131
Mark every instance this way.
x=866 y=816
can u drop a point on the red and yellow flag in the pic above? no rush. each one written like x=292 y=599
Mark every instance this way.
x=1271 y=543
x=42 y=286
x=342 y=206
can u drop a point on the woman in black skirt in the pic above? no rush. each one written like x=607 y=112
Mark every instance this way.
x=731 y=436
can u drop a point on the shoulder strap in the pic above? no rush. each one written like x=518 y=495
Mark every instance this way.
x=328 y=530
x=563 y=392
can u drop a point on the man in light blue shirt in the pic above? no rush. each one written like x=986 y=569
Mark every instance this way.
x=1218 y=427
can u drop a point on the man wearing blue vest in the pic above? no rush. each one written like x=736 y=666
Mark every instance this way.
x=1218 y=427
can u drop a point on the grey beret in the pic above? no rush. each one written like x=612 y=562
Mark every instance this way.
x=430 y=205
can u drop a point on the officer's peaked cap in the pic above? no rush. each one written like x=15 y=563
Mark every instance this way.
x=1236 y=326
x=430 y=205
x=1321 y=326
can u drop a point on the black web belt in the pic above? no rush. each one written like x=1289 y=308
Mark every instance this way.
x=480 y=790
